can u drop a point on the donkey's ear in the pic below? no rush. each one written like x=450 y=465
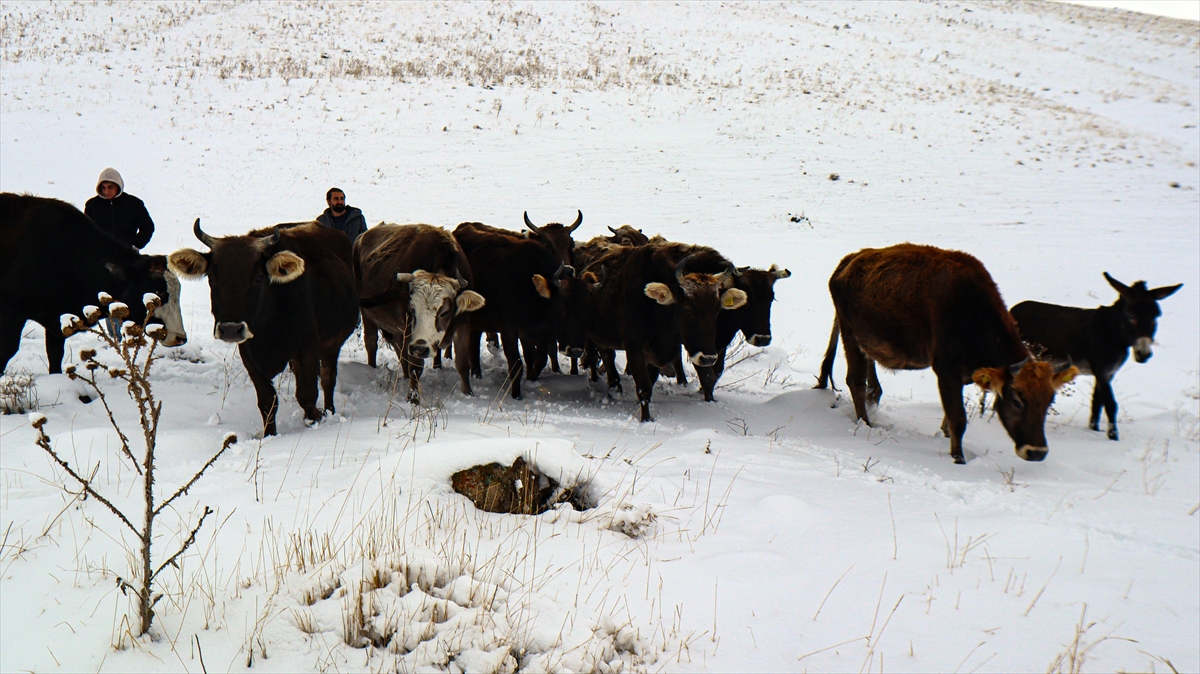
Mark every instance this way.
x=1165 y=291
x=1117 y=285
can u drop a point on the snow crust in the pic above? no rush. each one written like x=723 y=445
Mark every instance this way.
x=764 y=532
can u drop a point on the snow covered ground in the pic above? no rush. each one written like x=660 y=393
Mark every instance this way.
x=765 y=532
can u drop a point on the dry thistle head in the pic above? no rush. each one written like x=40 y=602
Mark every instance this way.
x=70 y=324
x=157 y=331
x=69 y=371
x=92 y=365
x=116 y=372
x=118 y=311
x=92 y=314
x=87 y=354
x=151 y=301
x=37 y=420
x=104 y=298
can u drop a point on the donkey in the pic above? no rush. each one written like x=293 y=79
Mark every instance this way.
x=1097 y=340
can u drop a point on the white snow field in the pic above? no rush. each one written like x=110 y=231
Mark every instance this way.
x=764 y=532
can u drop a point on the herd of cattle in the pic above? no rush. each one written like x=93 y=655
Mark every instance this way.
x=291 y=294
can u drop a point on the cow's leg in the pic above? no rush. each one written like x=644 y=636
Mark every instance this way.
x=329 y=378
x=437 y=358
x=1104 y=391
x=56 y=346
x=534 y=349
x=680 y=375
x=509 y=340
x=643 y=380
x=612 y=376
x=950 y=387
x=264 y=389
x=874 y=389
x=415 y=367
x=473 y=352
x=306 y=369
x=856 y=375
x=462 y=357
x=552 y=354
x=10 y=339
x=708 y=381
x=370 y=339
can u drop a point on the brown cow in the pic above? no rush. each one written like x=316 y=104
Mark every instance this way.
x=909 y=307
x=412 y=282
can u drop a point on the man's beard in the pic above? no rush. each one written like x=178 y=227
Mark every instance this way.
x=338 y=210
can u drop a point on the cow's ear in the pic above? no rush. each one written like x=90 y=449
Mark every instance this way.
x=779 y=273
x=115 y=269
x=542 y=285
x=1064 y=377
x=405 y=277
x=990 y=379
x=1165 y=291
x=660 y=292
x=734 y=298
x=187 y=263
x=285 y=267
x=469 y=300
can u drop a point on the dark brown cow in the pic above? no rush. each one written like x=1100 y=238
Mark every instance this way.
x=753 y=319
x=412 y=282
x=1097 y=340
x=656 y=298
x=285 y=295
x=557 y=237
x=54 y=260
x=532 y=297
x=909 y=307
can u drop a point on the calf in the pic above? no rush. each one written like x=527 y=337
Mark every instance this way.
x=910 y=307
x=1097 y=340
x=412 y=282
x=285 y=295
x=658 y=297
x=753 y=319
x=54 y=260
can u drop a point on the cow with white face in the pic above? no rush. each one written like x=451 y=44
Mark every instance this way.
x=412 y=282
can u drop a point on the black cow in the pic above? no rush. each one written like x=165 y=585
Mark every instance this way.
x=54 y=260
x=656 y=298
x=285 y=295
x=753 y=319
x=531 y=297
x=910 y=307
x=412 y=282
x=1097 y=340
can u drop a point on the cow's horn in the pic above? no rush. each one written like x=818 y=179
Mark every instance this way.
x=1065 y=366
x=204 y=238
x=1016 y=367
x=564 y=269
x=578 y=221
x=530 y=224
x=680 y=267
x=268 y=241
x=612 y=230
x=726 y=277
x=462 y=282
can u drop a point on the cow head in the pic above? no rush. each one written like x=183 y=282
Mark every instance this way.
x=1139 y=314
x=627 y=235
x=1024 y=392
x=557 y=237
x=754 y=318
x=150 y=274
x=568 y=295
x=435 y=300
x=697 y=298
x=240 y=271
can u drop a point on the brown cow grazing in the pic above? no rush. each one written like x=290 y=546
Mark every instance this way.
x=412 y=283
x=656 y=298
x=910 y=307
x=1097 y=340
x=285 y=295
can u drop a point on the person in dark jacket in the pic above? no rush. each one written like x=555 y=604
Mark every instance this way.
x=347 y=219
x=119 y=213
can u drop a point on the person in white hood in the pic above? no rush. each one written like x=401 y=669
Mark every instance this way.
x=119 y=213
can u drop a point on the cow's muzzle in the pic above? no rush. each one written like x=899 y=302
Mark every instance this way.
x=1031 y=453
x=419 y=350
x=760 y=340
x=703 y=360
x=235 y=333
x=1141 y=349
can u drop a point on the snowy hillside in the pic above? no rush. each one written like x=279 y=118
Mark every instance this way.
x=763 y=532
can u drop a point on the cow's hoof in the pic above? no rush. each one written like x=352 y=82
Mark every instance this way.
x=959 y=460
x=1095 y=425
x=1112 y=434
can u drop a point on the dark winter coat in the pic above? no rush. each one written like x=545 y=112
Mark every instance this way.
x=125 y=217
x=352 y=224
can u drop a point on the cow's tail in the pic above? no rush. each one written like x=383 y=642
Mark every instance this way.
x=826 y=378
